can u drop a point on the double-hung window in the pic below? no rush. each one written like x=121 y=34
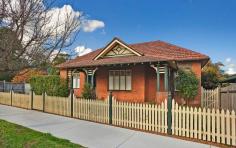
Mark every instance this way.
x=120 y=80
x=76 y=81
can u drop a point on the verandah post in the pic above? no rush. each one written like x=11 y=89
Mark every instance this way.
x=110 y=108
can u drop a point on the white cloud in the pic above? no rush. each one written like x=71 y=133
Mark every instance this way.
x=231 y=71
x=82 y=50
x=228 y=60
x=59 y=17
x=91 y=25
x=54 y=54
x=230 y=67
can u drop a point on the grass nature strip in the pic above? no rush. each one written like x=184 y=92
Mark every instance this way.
x=16 y=136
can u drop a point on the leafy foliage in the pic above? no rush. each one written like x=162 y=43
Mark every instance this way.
x=212 y=75
x=53 y=85
x=26 y=74
x=187 y=84
x=88 y=92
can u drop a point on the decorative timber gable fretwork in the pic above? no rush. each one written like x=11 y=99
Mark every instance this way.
x=118 y=51
x=117 y=48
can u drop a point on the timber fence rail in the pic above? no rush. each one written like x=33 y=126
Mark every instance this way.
x=213 y=125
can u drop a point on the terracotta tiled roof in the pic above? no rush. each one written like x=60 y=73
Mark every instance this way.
x=152 y=52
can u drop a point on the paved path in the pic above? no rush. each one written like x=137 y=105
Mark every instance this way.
x=90 y=134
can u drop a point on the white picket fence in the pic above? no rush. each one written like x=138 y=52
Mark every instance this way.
x=210 y=98
x=148 y=117
x=212 y=125
x=204 y=124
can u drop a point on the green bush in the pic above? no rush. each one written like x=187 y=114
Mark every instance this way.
x=53 y=85
x=187 y=84
x=88 y=92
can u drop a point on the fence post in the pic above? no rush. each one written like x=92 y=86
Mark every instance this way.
x=71 y=96
x=110 y=108
x=32 y=98
x=11 y=95
x=169 y=114
x=219 y=97
x=44 y=101
x=4 y=82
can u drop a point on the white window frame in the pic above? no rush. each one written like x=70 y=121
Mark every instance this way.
x=113 y=77
x=76 y=81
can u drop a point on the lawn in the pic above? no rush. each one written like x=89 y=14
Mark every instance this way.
x=16 y=136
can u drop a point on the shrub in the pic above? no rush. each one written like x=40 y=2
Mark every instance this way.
x=53 y=85
x=26 y=74
x=88 y=92
x=187 y=84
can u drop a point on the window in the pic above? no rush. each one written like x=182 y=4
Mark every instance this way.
x=120 y=80
x=76 y=81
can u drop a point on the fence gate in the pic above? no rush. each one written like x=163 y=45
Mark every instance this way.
x=37 y=102
x=210 y=98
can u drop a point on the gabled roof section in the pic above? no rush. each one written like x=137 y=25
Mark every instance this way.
x=154 y=51
x=117 y=48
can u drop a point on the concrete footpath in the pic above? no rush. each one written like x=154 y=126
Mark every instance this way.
x=90 y=134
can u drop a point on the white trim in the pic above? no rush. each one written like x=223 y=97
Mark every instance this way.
x=111 y=44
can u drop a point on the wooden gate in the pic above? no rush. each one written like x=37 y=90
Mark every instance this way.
x=37 y=102
x=210 y=98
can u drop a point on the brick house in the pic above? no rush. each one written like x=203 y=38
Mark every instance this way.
x=142 y=72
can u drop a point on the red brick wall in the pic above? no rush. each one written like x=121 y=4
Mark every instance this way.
x=78 y=91
x=63 y=73
x=143 y=84
x=151 y=85
x=196 y=68
x=137 y=94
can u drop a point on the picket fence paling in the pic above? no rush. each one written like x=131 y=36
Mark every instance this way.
x=206 y=124
x=94 y=110
x=140 y=116
x=57 y=105
x=5 y=98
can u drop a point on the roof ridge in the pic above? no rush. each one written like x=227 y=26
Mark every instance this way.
x=144 y=42
x=182 y=47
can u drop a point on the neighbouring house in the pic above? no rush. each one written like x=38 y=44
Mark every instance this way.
x=230 y=79
x=141 y=72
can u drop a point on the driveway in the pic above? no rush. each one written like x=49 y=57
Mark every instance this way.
x=90 y=134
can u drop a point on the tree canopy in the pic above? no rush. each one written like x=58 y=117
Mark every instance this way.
x=30 y=32
x=212 y=74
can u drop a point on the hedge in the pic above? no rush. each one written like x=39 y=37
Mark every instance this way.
x=53 y=85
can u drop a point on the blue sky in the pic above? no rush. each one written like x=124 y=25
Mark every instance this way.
x=206 y=26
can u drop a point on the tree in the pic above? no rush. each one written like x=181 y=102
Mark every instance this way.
x=187 y=84
x=8 y=58
x=38 y=31
x=26 y=74
x=212 y=74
